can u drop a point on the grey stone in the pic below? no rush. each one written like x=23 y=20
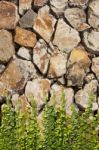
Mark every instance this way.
x=93 y=13
x=79 y=3
x=27 y=20
x=2 y=67
x=56 y=97
x=24 y=53
x=40 y=56
x=58 y=7
x=82 y=97
x=91 y=40
x=38 y=90
x=77 y=18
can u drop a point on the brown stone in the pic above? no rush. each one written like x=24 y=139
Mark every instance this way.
x=7 y=49
x=8 y=15
x=57 y=66
x=77 y=66
x=66 y=38
x=12 y=79
x=44 y=24
x=20 y=102
x=24 y=37
x=24 y=5
x=39 y=3
x=27 y=20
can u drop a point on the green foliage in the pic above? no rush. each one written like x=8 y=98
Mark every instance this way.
x=20 y=131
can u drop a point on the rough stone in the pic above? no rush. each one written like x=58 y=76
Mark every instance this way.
x=44 y=24
x=39 y=3
x=89 y=77
x=20 y=103
x=38 y=89
x=58 y=7
x=79 y=3
x=91 y=40
x=25 y=38
x=28 y=70
x=2 y=67
x=95 y=66
x=24 y=53
x=77 y=66
x=77 y=18
x=57 y=66
x=8 y=15
x=56 y=91
x=41 y=57
x=24 y=5
x=93 y=13
x=12 y=78
x=83 y=95
x=27 y=20
x=7 y=49
x=66 y=38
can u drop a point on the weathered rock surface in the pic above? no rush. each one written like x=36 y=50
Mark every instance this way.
x=24 y=5
x=25 y=38
x=66 y=38
x=40 y=56
x=38 y=89
x=28 y=70
x=79 y=3
x=58 y=7
x=57 y=66
x=77 y=66
x=56 y=91
x=24 y=53
x=93 y=14
x=20 y=103
x=91 y=40
x=83 y=95
x=89 y=77
x=8 y=15
x=95 y=66
x=39 y=3
x=77 y=18
x=12 y=79
x=44 y=24
x=27 y=20
x=7 y=49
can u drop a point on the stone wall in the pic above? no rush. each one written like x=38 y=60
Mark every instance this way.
x=47 y=46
